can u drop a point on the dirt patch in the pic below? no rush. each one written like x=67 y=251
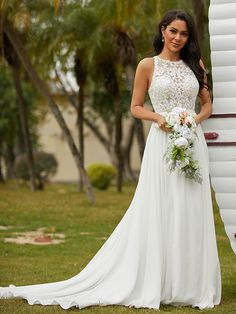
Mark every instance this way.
x=37 y=237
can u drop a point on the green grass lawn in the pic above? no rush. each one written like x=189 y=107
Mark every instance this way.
x=61 y=208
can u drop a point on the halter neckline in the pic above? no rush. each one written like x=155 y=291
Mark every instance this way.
x=166 y=60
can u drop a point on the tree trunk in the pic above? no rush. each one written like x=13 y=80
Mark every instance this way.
x=25 y=128
x=14 y=63
x=112 y=87
x=80 y=123
x=42 y=88
x=127 y=55
x=106 y=143
x=19 y=146
x=1 y=174
x=80 y=75
x=118 y=138
x=198 y=6
x=97 y=133
x=127 y=152
x=9 y=158
x=140 y=136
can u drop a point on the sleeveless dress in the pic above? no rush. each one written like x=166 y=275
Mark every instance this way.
x=163 y=251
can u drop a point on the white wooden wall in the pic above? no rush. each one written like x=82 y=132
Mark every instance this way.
x=222 y=151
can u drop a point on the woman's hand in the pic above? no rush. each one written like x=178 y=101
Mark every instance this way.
x=161 y=121
x=196 y=118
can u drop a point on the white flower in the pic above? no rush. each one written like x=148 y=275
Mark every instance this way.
x=178 y=110
x=181 y=142
x=178 y=128
x=191 y=121
x=182 y=135
x=187 y=133
x=184 y=163
x=172 y=118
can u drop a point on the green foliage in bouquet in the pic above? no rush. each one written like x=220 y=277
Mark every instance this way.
x=177 y=153
x=101 y=175
x=191 y=171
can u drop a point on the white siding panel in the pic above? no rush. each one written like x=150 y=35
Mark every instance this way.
x=217 y=153
x=223 y=42
x=223 y=169
x=223 y=27
x=228 y=216
x=233 y=244
x=224 y=105
x=227 y=58
x=224 y=89
x=219 y=124
x=230 y=230
x=224 y=73
x=227 y=136
x=226 y=200
x=225 y=10
x=221 y=2
x=224 y=185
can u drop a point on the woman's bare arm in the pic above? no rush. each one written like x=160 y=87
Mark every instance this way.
x=206 y=103
x=141 y=84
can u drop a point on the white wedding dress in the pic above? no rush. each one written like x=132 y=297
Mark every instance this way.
x=163 y=251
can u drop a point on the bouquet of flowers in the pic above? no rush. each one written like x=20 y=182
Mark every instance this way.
x=179 y=153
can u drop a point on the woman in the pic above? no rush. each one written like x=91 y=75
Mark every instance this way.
x=164 y=248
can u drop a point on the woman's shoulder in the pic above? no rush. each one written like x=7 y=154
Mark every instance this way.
x=146 y=64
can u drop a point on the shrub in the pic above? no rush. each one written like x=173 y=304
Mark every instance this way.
x=45 y=166
x=101 y=175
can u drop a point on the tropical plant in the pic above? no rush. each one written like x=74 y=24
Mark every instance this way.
x=11 y=137
x=10 y=32
x=100 y=40
x=13 y=61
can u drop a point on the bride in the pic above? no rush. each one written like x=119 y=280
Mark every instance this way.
x=163 y=251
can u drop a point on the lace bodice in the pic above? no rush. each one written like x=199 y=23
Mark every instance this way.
x=173 y=85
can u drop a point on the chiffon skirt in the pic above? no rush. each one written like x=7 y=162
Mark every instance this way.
x=162 y=251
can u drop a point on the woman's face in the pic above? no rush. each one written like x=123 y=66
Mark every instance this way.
x=175 y=35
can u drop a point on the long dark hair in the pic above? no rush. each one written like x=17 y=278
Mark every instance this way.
x=190 y=53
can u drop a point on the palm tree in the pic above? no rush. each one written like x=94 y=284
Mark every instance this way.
x=16 y=43
x=111 y=84
x=77 y=23
x=92 y=54
x=114 y=15
x=80 y=74
x=1 y=172
x=13 y=61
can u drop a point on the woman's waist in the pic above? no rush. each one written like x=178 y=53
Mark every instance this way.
x=166 y=111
